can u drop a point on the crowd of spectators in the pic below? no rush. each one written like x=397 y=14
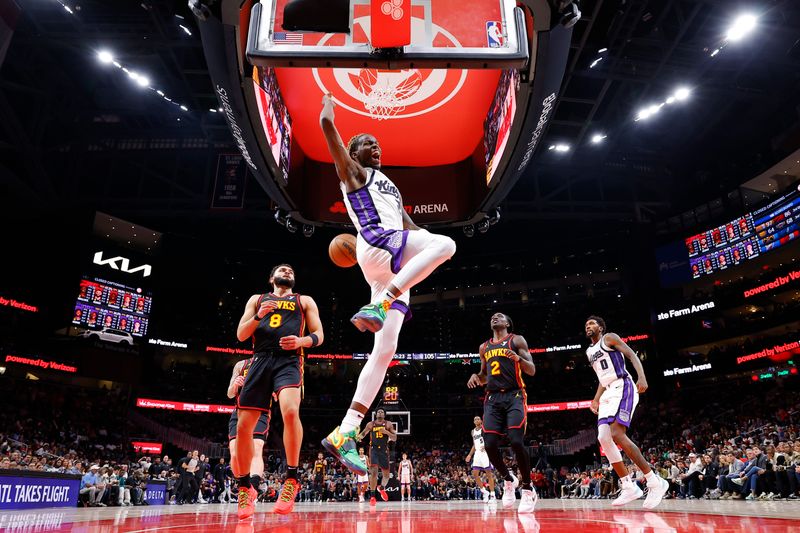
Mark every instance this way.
x=737 y=442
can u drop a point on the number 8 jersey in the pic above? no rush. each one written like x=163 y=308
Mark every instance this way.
x=608 y=364
x=287 y=319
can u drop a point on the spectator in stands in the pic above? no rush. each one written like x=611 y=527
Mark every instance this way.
x=89 y=485
x=690 y=481
x=728 y=483
x=124 y=488
x=710 y=473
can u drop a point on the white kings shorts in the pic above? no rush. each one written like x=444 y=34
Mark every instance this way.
x=480 y=461
x=618 y=402
x=405 y=479
x=381 y=259
x=362 y=479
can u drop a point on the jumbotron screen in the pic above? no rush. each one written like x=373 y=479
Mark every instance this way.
x=106 y=304
x=745 y=237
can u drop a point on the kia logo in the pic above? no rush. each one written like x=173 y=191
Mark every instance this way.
x=121 y=263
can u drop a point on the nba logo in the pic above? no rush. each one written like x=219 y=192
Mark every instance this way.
x=494 y=34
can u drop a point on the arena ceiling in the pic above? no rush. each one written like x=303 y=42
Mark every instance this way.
x=75 y=130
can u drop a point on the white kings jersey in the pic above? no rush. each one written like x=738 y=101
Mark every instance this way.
x=608 y=364
x=405 y=467
x=377 y=203
x=477 y=439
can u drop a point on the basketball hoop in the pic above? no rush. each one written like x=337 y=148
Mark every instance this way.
x=384 y=96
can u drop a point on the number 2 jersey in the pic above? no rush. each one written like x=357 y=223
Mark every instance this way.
x=287 y=319
x=608 y=364
x=502 y=373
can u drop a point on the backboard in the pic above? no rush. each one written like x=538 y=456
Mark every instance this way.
x=443 y=34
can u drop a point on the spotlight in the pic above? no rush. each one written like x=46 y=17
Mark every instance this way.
x=483 y=225
x=308 y=230
x=494 y=218
x=143 y=81
x=597 y=138
x=281 y=217
x=291 y=225
x=104 y=56
x=469 y=230
x=743 y=25
x=682 y=93
x=559 y=147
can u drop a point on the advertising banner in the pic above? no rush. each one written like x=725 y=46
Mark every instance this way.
x=19 y=491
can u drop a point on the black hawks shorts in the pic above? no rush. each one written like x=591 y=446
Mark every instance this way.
x=269 y=374
x=504 y=410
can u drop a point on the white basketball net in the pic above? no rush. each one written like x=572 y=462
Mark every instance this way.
x=384 y=99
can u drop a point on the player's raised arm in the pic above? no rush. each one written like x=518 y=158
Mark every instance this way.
x=612 y=340
x=520 y=347
x=349 y=171
x=390 y=430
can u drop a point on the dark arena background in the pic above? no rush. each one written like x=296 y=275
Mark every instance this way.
x=638 y=160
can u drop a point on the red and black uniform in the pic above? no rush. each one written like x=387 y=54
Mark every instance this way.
x=262 y=426
x=379 y=445
x=273 y=368
x=506 y=403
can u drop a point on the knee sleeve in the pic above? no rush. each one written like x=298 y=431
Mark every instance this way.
x=607 y=442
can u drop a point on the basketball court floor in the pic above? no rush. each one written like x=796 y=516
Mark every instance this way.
x=417 y=517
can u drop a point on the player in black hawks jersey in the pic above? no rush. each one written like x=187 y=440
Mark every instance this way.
x=276 y=322
x=381 y=431
x=504 y=358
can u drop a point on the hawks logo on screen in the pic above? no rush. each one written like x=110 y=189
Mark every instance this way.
x=393 y=94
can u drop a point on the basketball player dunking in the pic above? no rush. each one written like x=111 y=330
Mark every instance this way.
x=260 y=432
x=503 y=359
x=276 y=322
x=480 y=462
x=405 y=472
x=614 y=404
x=394 y=255
x=380 y=431
x=362 y=481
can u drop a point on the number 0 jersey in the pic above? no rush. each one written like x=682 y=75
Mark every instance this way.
x=287 y=319
x=502 y=373
x=608 y=364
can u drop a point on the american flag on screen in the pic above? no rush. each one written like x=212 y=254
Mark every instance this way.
x=283 y=37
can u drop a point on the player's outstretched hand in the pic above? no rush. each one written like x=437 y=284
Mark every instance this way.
x=641 y=385
x=474 y=381
x=291 y=342
x=595 y=407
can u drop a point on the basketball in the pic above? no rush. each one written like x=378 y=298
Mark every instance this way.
x=342 y=250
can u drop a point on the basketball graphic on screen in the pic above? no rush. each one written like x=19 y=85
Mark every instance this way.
x=342 y=250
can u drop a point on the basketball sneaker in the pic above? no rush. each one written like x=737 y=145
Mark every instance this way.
x=529 y=499
x=247 y=503
x=629 y=492
x=285 y=502
x=343 y=447
x=509 y=497
x=373 y=501
x=370 y=317
x=485 y=494
x=383 y=493
x=656 y=493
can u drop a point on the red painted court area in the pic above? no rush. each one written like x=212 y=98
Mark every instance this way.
x=407 y=518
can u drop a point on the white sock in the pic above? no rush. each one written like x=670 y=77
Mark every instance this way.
x=626 y=481
x=651 y=477
x=385 y=296
x=352 y=420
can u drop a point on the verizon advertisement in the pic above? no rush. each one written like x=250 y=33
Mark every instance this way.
x=562 y=406
x=147 y=447
x=169 y=405
x=778 y=352
x=777 y=283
